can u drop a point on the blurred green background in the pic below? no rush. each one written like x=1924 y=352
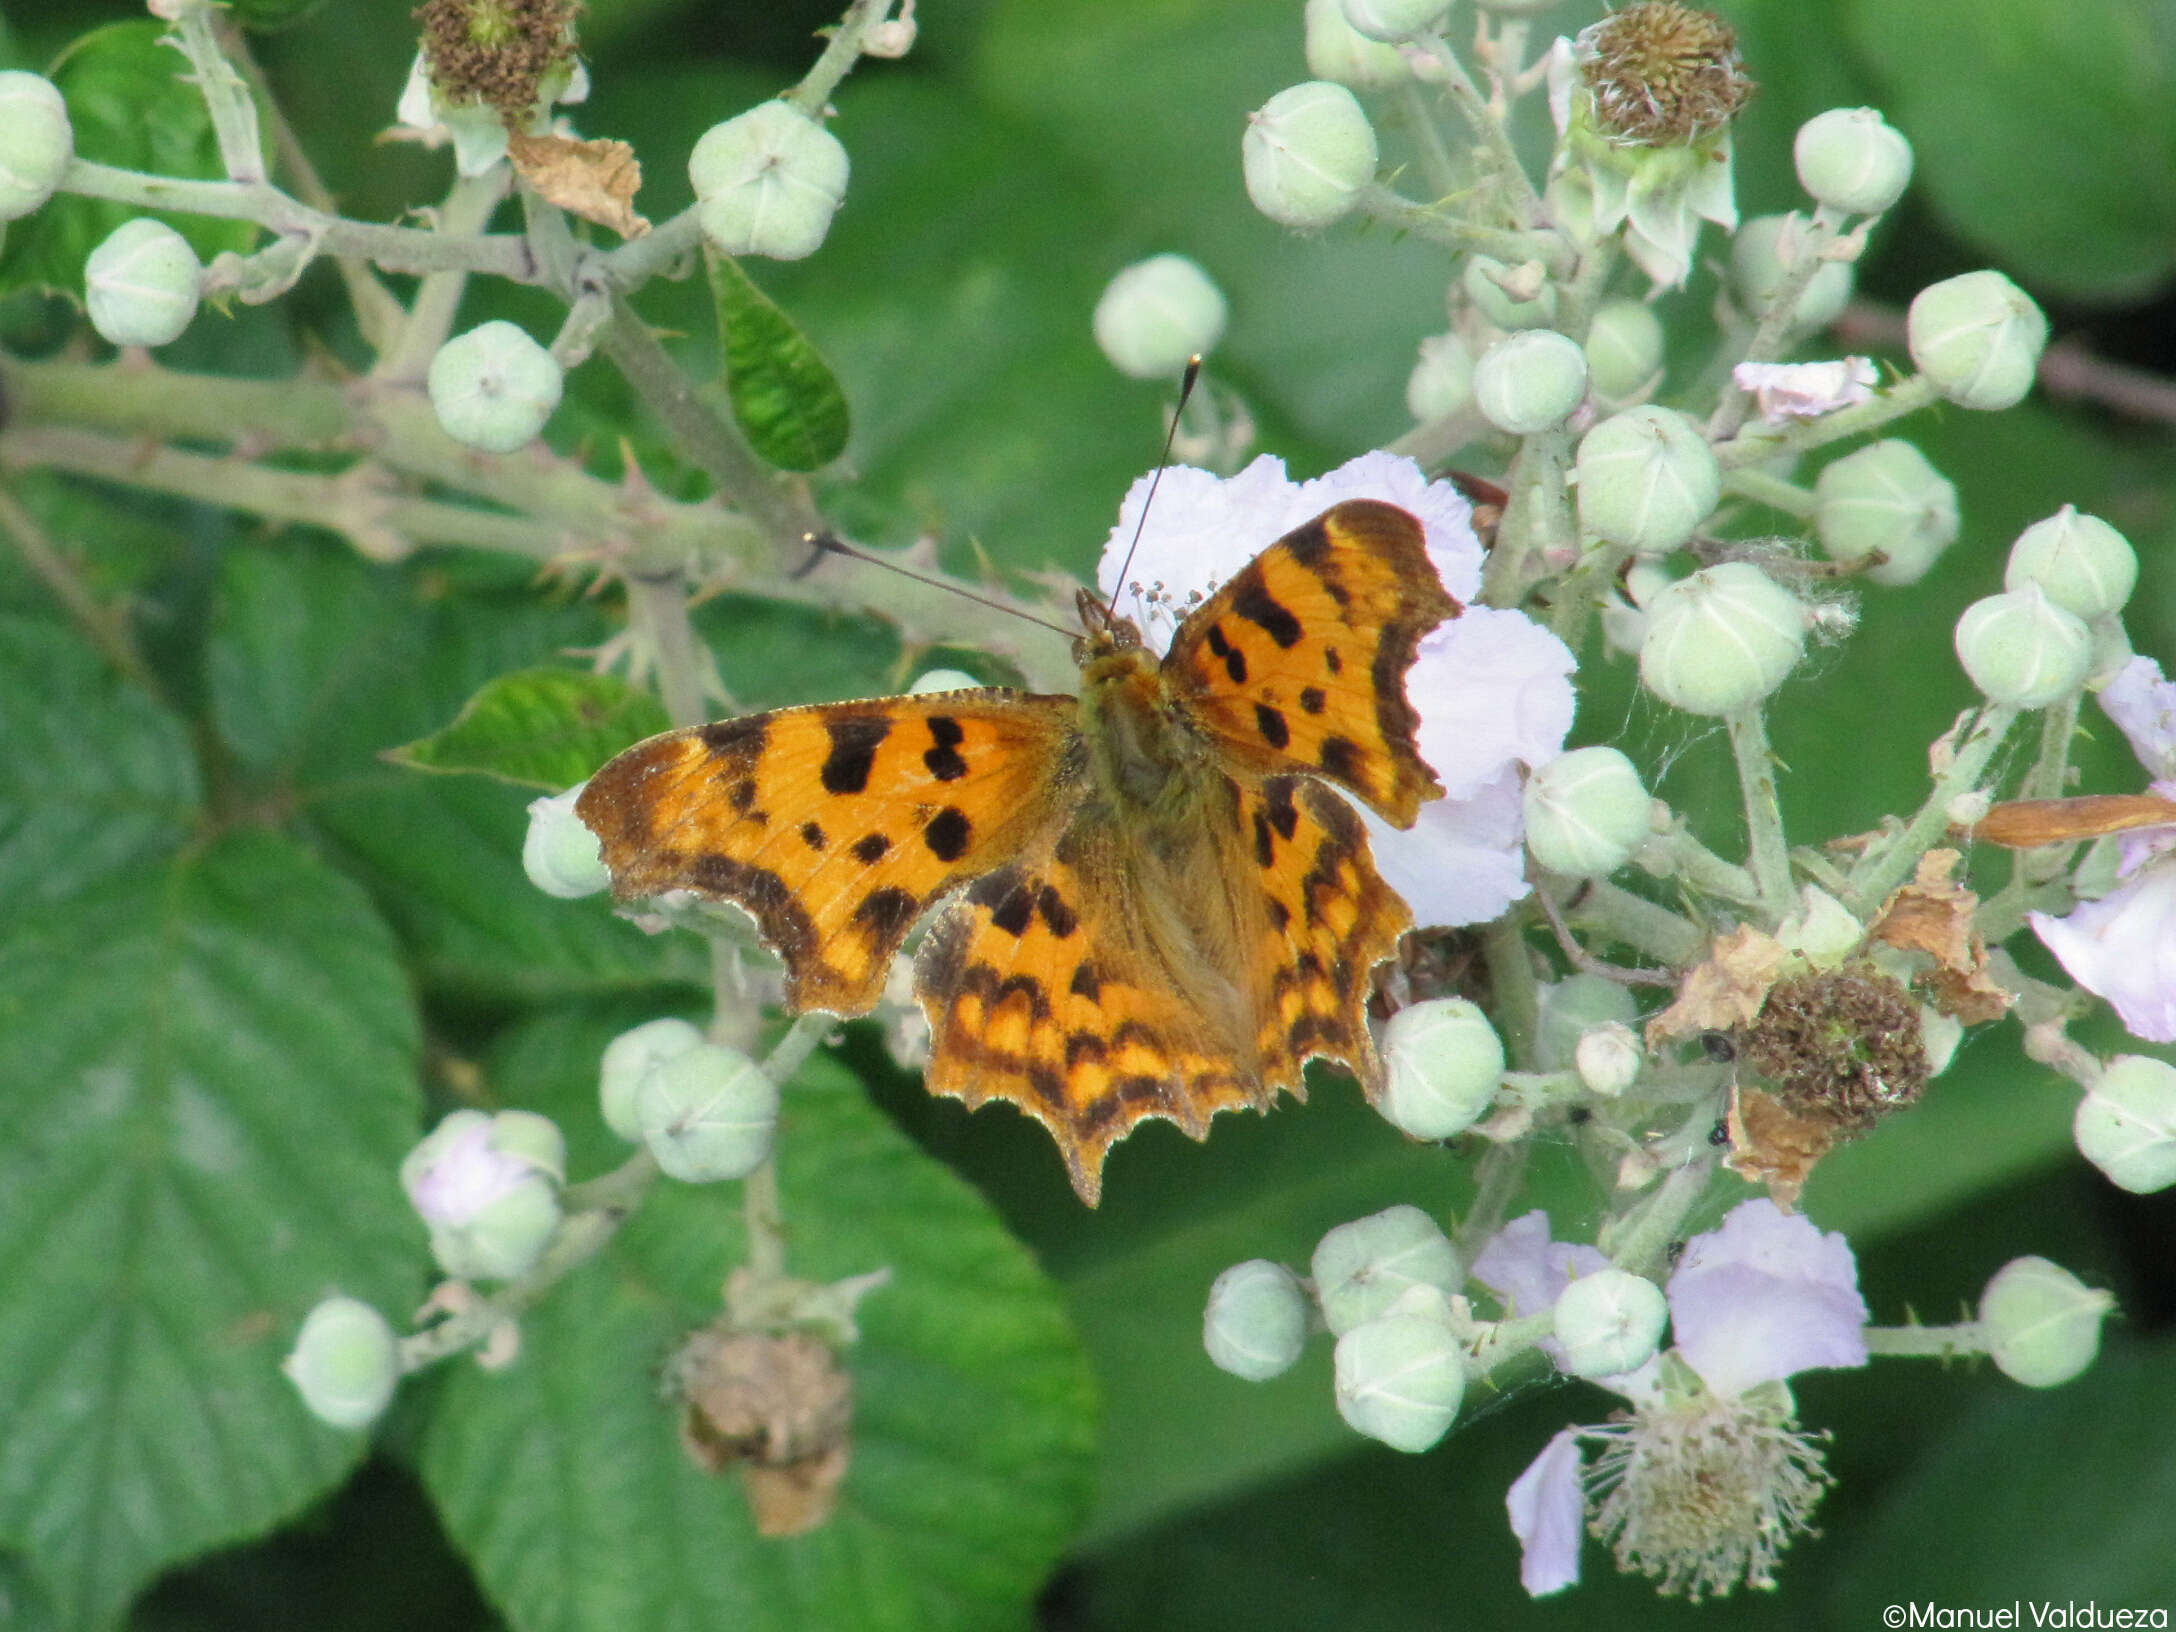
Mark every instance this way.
x=1023 y=153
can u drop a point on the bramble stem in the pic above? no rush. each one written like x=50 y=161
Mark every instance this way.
x=1769 y=855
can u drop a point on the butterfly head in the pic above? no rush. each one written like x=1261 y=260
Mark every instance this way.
x=1103 y=631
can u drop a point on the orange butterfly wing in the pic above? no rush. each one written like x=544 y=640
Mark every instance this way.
x=833 y=826
x=1096 y=986
x=1299 y=662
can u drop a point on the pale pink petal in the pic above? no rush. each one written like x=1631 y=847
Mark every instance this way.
x=2123 y=948
x=2143 y=705
x=1764 y=1296
x=1548 y=1509
x=1461 y=862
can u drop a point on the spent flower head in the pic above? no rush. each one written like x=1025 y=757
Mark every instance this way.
x=1708 y=1477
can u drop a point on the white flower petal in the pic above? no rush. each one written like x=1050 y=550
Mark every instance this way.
x=2143 y=704
x=1783 y=391
x=1764 y=1296
x=1492 y=687
x=1461 y=861
x=2123 y=948
x=1548 y=1509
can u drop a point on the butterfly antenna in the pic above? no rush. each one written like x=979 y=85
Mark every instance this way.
x=1187 y=382
x=829 y=543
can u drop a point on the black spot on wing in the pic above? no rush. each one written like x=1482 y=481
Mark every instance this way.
x=947 y=833
x=870 y=847
x=742 y=794
x=1313 y=700
x=1056 y=913
x=853 y=750
x=943 y=756
x=742 y=738
x=1271 y=724
x=1010 y=899
x=1283 y=815
x=1340 y=757
x=1086 y=983
x=884 y=915
x=1331 y=661
x=1235 y=661
x=1309 y=545
x=812 y=835
x=1265 y=846
x=1255 y=603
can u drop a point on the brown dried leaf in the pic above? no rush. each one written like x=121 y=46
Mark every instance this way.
x=1932 y=915
x=794 y=1499
x=1725 y=991
x=1774 y=1146
x=594 y=180
x=2020 y=824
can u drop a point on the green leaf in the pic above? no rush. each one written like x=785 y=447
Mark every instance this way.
x=562 y=1478
x=2041 y=133
x=209 y=1075
x=783 y=393
x=540 y=728
x=320 y=663
x=130 y=106
x=96 y=778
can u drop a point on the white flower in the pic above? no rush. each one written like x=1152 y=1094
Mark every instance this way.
x=1492 y=688
x=1783 y=391
x=1708 y=1479
x=2123 y=946
x=477 y=131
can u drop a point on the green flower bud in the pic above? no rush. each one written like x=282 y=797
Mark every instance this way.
x=1721 y=639
x=1822 y=930
x=1978 y=337
x=1336 y=52
x=1851 y=159
x=1624 y=350
x=559 y=852
x=709 y=1113
x=1586 y=812
x=2082 y=564
x=628 y=1060
x=944 y=680
x=1607 y=1059
x=1442 y=1064
x=2126 y=1126
x=1575 y=1005
x=1608 y=1322
x=505 y=1238
x=1256 y=1323
x=1647 y=478
x=1442 y=381
x=1511 y=297
x=2042 y=1322
x=1885 y=497
x=36 y=142
x=140 y=285
x=1156 y=314
x=2023 y=650
x=1361 y=1268
x=1307 y=153
x=1758 y=259
x=1529 y=381
x=493 y=387
x=488 y=1187
x=1400 y=1380
x=1394 y=21
x=345 y=1363
x=767 y=182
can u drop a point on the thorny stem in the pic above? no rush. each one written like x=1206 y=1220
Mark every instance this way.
x=838 y=59
x=1511 y=979
x=1937 y=1342
x=395 y=249
x=1891 y=861
x=423 y=327
x=1424 y=221
x=1495 y=138
x=1769 y=855
x=1639 y=1241
x=226 y=97
x=1762 y=442
x=1773 y=330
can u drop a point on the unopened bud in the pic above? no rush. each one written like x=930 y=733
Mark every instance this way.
x=2022 y=650
x=1361 y=1268
x=1721 y=639
x=1978 y=337
x=1307 y=152
x=1157 y=314
x=1647 y=479
x=1852 y=159
x=768 y=182
x=1256 y=1323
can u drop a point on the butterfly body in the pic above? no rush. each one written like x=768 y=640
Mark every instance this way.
x=1147 y=902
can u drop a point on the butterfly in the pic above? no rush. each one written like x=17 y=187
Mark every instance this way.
x=1148 y=901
